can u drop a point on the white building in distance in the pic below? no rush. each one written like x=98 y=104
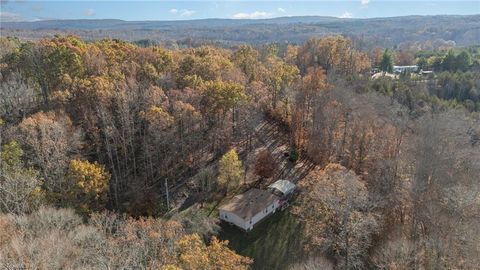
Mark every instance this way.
x=400 y=69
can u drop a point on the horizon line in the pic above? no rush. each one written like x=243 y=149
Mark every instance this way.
x=243 y=19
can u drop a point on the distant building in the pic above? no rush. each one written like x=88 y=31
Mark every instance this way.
x=383 y=75
x=400 y=69
x=426 y=72
x=247 y=209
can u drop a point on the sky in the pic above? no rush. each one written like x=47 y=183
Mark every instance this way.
x=34 y=10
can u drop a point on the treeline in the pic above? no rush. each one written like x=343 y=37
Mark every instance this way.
x=416 y=32
x=109 y=125
x=443 y=92
x=391 y=173
x=146 y=114
x=454 y=83
x=59 y=239
x=452 y=60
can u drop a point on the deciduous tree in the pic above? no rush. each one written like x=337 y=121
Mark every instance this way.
x=336 y=196
x=265 y=164
x=20 y=187
x=230 y=171
x=194 y=254
x=49 y=141
x=90 y=182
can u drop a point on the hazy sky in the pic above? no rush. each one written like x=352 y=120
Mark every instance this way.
x=31 y=10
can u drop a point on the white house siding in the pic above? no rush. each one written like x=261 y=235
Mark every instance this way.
x=259 y=216
x=232 y=218
x=249 y=223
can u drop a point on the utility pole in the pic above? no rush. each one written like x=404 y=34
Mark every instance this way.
x=1 y=130
x=166 y=191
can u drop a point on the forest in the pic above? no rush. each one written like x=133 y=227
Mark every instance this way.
x=116 y=155
x=416 y=32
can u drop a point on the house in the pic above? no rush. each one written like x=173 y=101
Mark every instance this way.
x=247 y=209
x=400 y=69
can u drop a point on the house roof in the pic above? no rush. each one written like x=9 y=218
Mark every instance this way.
x=383 y=74
x=283 y=186
x=250 y=203
x=413 y=66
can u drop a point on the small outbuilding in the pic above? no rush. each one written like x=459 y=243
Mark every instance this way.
x=247 y=209
x=282 y=188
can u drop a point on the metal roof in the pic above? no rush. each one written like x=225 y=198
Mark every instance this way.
x=283 y=186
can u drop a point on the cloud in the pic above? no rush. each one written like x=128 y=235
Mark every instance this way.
x=187 y=13
x=281 y=10
x=346 y=15
x=182 y=12
x=41 y=18
x=10 y=17
x=253 y=15
x=89 y=12
x=364 y=3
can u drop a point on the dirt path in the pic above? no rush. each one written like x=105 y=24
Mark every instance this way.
x=267 y=134
x=271 y=136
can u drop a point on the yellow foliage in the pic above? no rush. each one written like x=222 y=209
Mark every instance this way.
x=194 y=254
x=230 y=171
x=221 y=96
x=332 y=52
x=157 y=115
x=91 y=181
x=11 y=155
x=334 y=167
x=61 y=97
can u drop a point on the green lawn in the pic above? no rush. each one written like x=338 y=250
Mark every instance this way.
x=274 y=243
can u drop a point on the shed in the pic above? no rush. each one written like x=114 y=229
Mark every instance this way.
x=282 y=188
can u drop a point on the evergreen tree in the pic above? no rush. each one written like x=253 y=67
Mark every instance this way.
x=449 y=61
x=463 y=61
x=387 y=61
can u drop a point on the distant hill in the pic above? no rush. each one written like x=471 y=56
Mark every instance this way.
x=421 y=31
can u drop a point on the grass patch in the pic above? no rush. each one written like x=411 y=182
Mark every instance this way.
x=274 y=243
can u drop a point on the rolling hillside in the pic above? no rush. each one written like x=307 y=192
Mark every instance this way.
x=419 y=31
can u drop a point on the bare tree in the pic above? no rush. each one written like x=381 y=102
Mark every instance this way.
x=334 y=206
x=49 y=140
x=17 y=97
x=313 y=264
